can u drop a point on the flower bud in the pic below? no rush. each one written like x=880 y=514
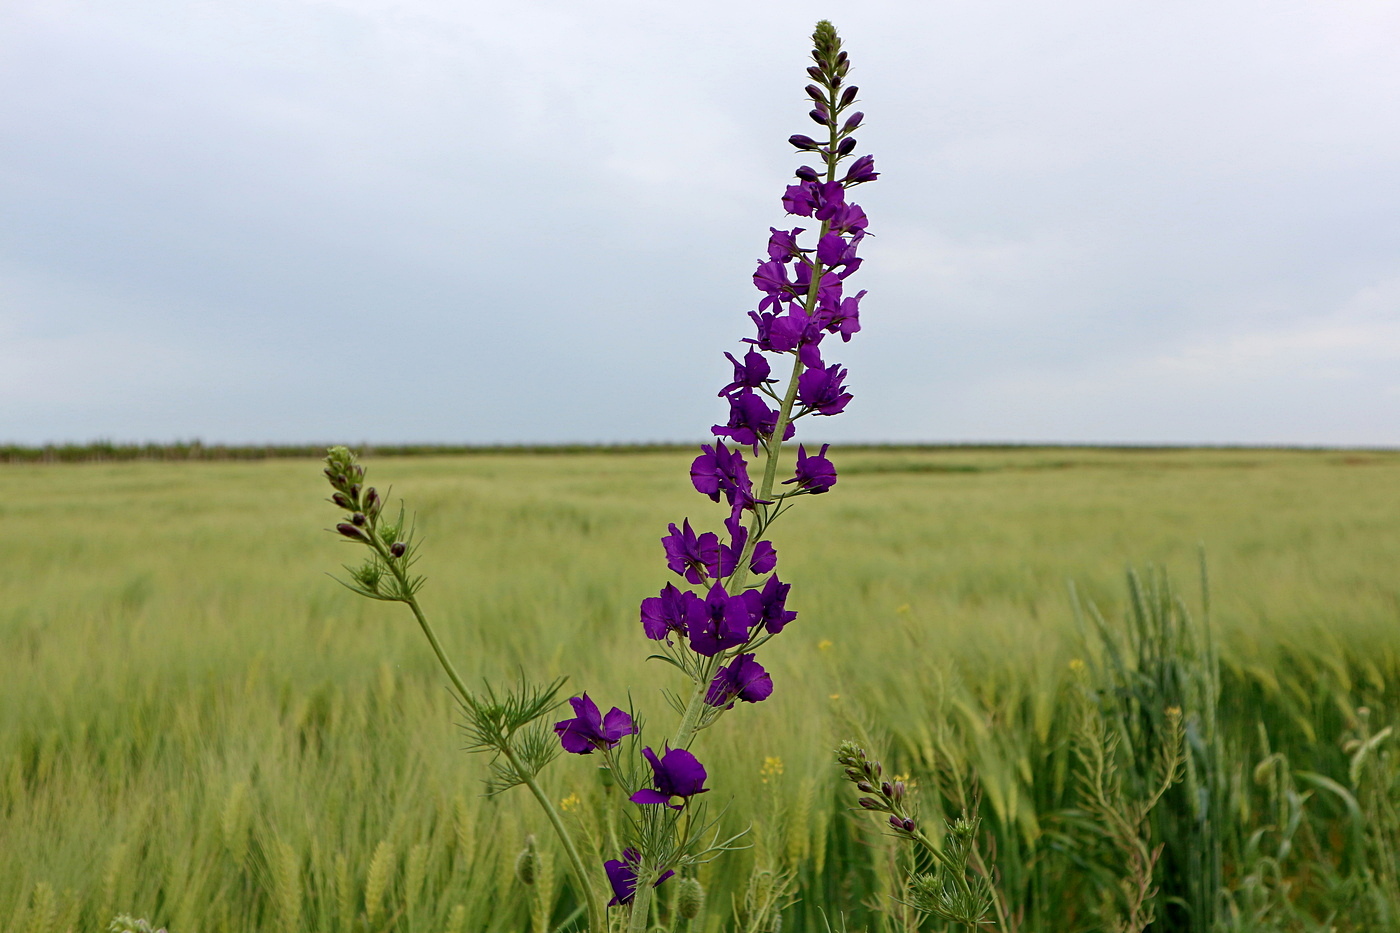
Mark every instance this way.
x=897 y=823
x=807 y=173
x=865 y=787
x=852 y=122
x=355 y=492
x=371 y=499
x=819 y=116
x=887 y=789
x=690 y=899
x=527 y=862
x=350 y=531
x=869 y=803
x=847 y=146
x=803 y=142
x=848 y=96
x=898 y=790
x=398 y=548
x=358 y=518
x=815 y=72
x=908 y=825
x=341 y=500
x=816 y=93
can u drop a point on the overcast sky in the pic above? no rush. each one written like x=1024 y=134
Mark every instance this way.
x=423 y=220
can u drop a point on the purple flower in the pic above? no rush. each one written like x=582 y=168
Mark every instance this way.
x=765 y=557
x=750 y=374
x=717 y=622
x=861 y=170
x=589 y=730
x=815 y=473
x=767 y=606
x=849 y=219
x=690 y=555
x=833 y=251
x=676 y=774
x=742 y=679
x=721 y=470
x=821 y=389
x=771 y=279
x=666 y=612
x=750 y=421
x=843 y=316
x=817 y=199
x=782 y=244
x=622 y=875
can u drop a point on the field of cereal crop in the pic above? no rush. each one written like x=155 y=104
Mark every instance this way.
x=199 y=726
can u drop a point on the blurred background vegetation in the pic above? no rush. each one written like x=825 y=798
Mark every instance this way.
x=198 y=726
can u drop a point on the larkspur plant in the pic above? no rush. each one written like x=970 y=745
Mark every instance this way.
x=732 y=602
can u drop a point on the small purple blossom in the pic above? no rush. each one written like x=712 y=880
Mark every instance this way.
x=751 y=421
x=590 y=730
x=750 y=374
x=676 y=774
x=666 y=613
x=742 y=679
x=690 y=555
x=765 y=557
x=622 y=875
x=782 y=244
x=718 y=622
x=815 y=474
x=822 y=390
x=767 y=607
x=771 y=279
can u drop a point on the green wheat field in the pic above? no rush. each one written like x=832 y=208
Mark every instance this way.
x=199 y=726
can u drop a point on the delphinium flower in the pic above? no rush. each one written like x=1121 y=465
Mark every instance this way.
x=728 y=600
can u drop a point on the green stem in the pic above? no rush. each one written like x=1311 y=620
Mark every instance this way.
x=641 y=903
x=596 y=917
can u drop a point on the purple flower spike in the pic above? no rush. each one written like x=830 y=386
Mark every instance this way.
x=622 y=875
x=676 y=774
x=690 y=555
x=767 y=607
x=590 y=730
x=815 y=473
x=665 y=613
x=821 y=389
x=765 y=557
x=743 y=679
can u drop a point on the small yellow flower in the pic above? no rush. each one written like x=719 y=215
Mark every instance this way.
x=570 y=802
x=902 y=609
x=772 y=767
x=824 y=644
x=834 y=696
x=1076 y=664
x=909 y=782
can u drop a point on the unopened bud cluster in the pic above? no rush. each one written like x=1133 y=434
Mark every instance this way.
x=879 y=795
x=364 y=505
